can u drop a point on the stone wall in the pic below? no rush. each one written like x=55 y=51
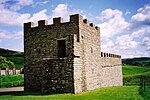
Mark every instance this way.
x=58 y=76
x=93 y=69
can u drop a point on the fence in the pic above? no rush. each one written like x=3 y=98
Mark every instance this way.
x=144 y=85
x=10 y=71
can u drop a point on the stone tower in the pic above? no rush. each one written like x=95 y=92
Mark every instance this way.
x=65 y=57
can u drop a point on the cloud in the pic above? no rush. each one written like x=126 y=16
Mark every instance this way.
x=12 y=18
x=4 y=34
x=21 y=3
x=142 y=16
x=138 y=33
x=119 y=35
x=127 y=12
x=108 y=14
x=9 y=17
x=126 y=42
x=41 y=15
x=146 y=43
x=60 y=10
x=112 y=23
x=40 y=3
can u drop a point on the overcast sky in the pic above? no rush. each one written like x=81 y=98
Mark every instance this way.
x=125 y=24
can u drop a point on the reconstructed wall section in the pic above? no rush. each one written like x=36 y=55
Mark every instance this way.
x=66 y=57
x=42 y=53
x=93 y=69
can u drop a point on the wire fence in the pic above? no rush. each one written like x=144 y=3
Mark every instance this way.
x=144 y=85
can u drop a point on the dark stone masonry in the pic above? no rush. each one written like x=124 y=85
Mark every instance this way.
x=65 y=57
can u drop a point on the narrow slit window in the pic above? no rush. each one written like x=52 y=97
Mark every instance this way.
x=61 y=48
x=78 y=37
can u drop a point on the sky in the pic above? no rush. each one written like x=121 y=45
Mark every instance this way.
x=124 y=24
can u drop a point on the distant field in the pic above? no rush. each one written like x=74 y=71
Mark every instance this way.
x=129 y=70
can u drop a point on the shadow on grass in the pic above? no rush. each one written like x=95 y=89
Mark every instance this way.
x=19 y=93
x=22 y=93
x=145 y=93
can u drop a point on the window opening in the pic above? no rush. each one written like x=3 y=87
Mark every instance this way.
x=61 y=48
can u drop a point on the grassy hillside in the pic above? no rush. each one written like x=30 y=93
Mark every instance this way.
x=6 y=52
x=14 y=56
x=129 y=70
x=143 y=61
x=132 y=75
x=18 y=60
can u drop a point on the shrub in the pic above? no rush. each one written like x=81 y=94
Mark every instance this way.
x=5 y=63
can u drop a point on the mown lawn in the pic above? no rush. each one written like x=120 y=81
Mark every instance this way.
x=108 y=93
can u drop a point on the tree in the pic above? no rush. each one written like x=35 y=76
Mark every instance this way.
x=4 y=63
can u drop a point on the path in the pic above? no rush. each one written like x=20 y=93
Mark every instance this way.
x=11 y=90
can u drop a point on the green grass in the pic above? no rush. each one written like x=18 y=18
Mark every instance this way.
x=133 y=74
x=135 y=70
x=108 y=93
x=11 y=80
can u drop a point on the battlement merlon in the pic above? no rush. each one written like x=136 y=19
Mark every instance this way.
x=28 y=25
x=76 y=18
x=42 y=23
x=57 y=20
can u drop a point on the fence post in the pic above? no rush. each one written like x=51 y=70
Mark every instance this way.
x=141 y=82
x=14 y=71
x=7 y=71
x=144 y=86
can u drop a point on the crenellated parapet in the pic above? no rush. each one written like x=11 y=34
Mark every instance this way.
x=73 y=19
x=103 y=54
x=85 y=21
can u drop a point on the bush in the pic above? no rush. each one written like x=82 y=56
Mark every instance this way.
x=6 y=64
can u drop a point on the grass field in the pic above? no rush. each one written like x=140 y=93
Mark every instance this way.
x=135 y=70
x=109 y=93
x=133 y=74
